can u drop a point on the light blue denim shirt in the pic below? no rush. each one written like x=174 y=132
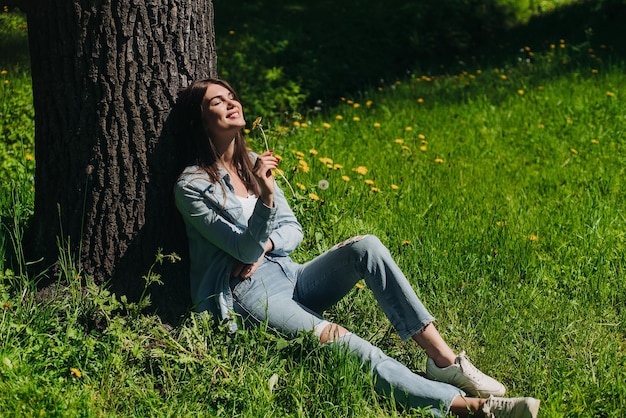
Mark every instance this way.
x=219 y=234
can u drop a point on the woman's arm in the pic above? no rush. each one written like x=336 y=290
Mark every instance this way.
x=201 y=210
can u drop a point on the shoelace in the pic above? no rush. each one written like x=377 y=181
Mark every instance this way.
x=468 y=368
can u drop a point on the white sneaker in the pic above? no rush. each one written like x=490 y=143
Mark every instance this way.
x=511 y=407
x=464 y=375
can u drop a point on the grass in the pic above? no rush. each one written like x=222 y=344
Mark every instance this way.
x=498 y=188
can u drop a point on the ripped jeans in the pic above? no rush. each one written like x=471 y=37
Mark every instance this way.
x=289 y=297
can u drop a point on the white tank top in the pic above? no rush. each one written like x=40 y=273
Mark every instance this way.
x=248 y=204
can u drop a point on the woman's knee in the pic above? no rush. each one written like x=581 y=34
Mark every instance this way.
x=328 y=331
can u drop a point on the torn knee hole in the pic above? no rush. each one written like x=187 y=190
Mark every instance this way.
x=351 y=240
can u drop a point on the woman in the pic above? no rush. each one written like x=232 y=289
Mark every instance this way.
x=241 y=231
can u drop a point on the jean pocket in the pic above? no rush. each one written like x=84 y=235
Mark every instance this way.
x=240 y=287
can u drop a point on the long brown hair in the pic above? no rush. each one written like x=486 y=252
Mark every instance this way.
x=200 y=150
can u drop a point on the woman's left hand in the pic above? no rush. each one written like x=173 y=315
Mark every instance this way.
x=245 y=271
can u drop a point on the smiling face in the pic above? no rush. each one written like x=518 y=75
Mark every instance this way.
x=222 y=113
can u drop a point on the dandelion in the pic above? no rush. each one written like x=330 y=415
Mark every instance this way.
x=303 y=166
x=594 y=71
x=356 y=105
x=350 y=102
x=337 y=166
x=314 y=196
x=420 y=100
x=359 y=285
x=29 y=157
x=376 y=125
x=438 y=160
x=408 y=128
x=394 y=186
x=520 y=92
x=541 y=126
x=356 y=118
x=406 y=148
x=423 y=148
x=231 y=32
x=4 y=72
x=369 y=103
x=503 y=76
x=313 y=151
x=405 y=242
x=339 y=117
x=422 y=137
x=6 y=305
x=595 y=141
x=76 y=372
x=375 y=189
x=300 y=186
x=370 y=182
x=610 y=94
x=533 y=237
x=399 y=141
x=325 y=160
x=345 y=178
x=323 y=184
x=500 y=224
x=361 y=170
x=574 y=150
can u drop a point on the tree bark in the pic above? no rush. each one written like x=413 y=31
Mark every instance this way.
x=106 y=74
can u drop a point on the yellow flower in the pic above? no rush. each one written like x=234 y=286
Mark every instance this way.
x=301 y=186
x=296 y=123
x=314 y=196
x=595 y=141
x=423 y=148
x=356 y=105
x=369 y=103
x=350 y=102
x=520 y=92
x=76 y=372
x=438 y=160
x=541 y=126
x=500 y=224
x=3 y=72
x=594 y=71
x=313 y=151
x=345 y=178
x=399 y=141
x=574 y=150
x=406 y=148
x=326 y=125
x=337 y=166
x=339 y=117
x=369 y=181
x=359 y=285
x=533 y=237
x=394 y=187
x=29 y=157
x=408 y=128
x=406 y=242
x=376 y=125
x=375 y=189
x=256 y=122
x=610 y=94
x=231 y=32
x=361 y=170
x=326 y=160
x=422 y=136
x=298 y=153
x=303 y=166
x=503 y=76
x=356 y=118
x=420 y=100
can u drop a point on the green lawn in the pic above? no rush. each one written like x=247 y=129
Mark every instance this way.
x=498 y=187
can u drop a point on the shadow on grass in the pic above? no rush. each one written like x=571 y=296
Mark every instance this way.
x=338 y=48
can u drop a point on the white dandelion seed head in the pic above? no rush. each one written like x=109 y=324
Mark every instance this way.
x=323 y=184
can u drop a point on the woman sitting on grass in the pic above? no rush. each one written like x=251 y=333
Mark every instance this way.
x=241 y=231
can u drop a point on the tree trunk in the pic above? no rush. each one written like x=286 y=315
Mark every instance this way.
x=105 y=77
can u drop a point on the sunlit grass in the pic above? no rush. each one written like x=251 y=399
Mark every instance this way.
x=499 y=191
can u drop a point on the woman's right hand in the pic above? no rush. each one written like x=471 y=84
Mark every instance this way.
x=263 y=174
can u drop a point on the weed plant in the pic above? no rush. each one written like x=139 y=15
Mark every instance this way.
x=498 y=189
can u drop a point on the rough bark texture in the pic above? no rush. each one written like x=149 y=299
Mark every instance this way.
x=105 y=78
